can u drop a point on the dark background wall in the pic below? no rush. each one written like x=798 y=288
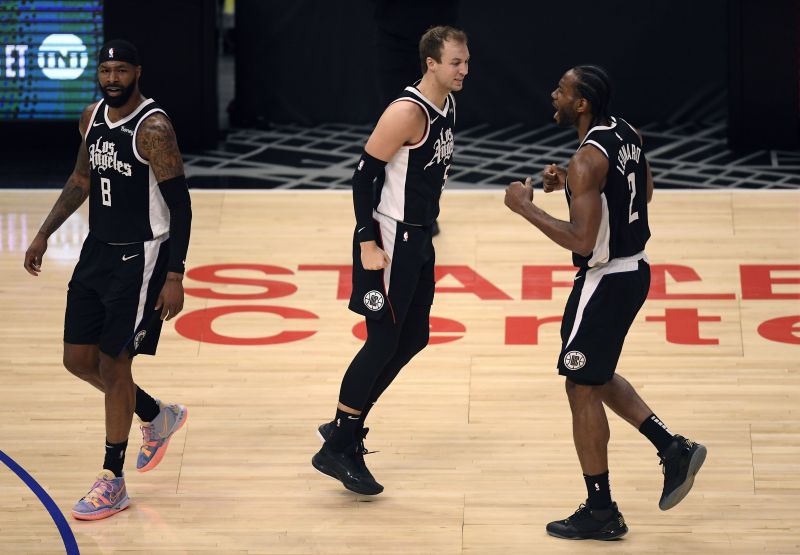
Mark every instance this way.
x=764 y=74
x=178 y=49
x=312 y=61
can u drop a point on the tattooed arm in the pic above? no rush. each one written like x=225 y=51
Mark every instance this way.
x=75 y=191
x=156 y=142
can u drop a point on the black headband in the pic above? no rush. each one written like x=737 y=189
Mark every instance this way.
x=118 y=51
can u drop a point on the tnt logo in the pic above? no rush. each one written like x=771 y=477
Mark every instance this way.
x=63 y=57
x=373 y=300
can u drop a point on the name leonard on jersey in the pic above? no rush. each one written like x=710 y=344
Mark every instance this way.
x=104 y=156
x=627 y=152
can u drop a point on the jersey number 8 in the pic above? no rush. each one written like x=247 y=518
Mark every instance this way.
x=105 y=189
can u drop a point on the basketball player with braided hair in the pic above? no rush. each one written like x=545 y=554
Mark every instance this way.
x=608 y=186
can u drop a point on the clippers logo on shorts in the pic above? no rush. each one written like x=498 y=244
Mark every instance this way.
x=104 y=156
x=138 y=339
x=373 y=300
x=574 y=360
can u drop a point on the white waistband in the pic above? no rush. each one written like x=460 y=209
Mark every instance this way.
x=622 y=264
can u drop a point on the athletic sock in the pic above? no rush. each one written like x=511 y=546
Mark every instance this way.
x=146 y=407
x=599 y=491
x=656 y=431
x=115 y=457
x=344 y=431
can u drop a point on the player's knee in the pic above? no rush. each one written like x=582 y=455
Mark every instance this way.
x=77 y=365
x=578 y=392
x=114 y=371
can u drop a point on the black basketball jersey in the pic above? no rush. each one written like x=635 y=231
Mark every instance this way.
x=409 y=188
x=125 y=203
x=624 y=228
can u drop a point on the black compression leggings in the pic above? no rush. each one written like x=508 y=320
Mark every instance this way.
x=387 y=350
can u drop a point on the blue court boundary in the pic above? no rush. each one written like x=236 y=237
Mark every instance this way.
x=66 y=532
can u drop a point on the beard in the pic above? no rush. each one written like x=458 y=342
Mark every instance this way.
x=566 y=118
x=124 y=96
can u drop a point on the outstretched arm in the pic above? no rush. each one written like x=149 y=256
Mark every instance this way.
x=586 y=174
x=157 y=144
x=75 y=191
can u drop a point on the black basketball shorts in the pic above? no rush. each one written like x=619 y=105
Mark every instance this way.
x=600 y=310
x=408 y=279
x=112 y=295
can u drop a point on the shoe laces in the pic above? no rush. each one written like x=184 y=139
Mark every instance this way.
x=582 y=511
x=361 y=448
x=100 y=488
x=147 y=433
x=686 y=445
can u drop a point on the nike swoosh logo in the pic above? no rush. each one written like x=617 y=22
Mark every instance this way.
x=96 y=124
x=362 y=229
x=126 y=258
x=577 y=278
x=353 y=417
x=434 y=119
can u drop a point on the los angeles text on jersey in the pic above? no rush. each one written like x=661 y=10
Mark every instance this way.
x=104 y=156
x=442 y=148
x=627 y=152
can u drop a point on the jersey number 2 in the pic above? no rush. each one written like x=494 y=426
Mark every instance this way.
x=632 y=216
x=105 y=189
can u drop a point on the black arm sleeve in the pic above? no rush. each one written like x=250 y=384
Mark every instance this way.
x=367 y=170
x=176 y=195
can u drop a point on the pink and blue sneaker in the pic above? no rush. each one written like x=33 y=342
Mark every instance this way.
x=107 y=497
x=156 y=435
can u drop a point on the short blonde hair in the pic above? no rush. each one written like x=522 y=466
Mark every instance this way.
x=432 y=42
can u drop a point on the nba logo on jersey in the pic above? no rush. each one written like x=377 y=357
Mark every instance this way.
x=405 y=236
x=111 y=52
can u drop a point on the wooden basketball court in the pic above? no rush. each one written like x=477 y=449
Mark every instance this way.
x=474 y=438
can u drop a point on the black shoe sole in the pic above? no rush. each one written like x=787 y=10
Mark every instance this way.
x=697 y=460
x=602 y=536
x=355 y=488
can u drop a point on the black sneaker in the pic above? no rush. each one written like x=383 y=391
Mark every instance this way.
x=325 y=430
x=681 y=461
x=348 y=467
x=590 y=524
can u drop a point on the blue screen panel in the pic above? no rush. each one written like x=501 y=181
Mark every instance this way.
x=48 y=53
